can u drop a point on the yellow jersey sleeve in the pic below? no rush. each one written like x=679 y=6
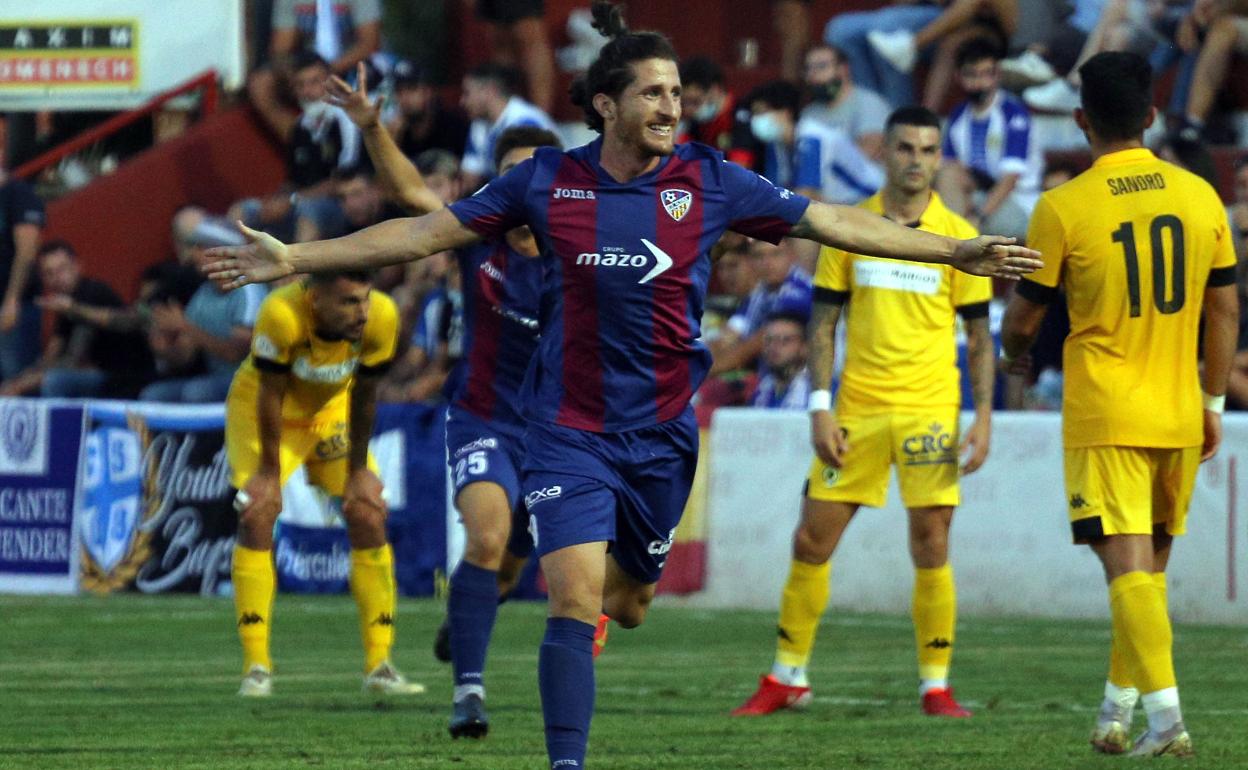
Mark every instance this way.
x=1047 y=236
x=381 y=334
x=277 y=332
x=832 y=270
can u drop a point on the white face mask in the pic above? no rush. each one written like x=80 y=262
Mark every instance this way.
x=707 y=111
x=766 y=128
x=314 y=110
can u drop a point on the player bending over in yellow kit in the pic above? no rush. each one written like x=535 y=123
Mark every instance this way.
x=898 y=405
x=307 y=396
x=1141 y=247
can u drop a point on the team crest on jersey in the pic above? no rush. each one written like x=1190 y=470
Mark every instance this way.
x=676 y=203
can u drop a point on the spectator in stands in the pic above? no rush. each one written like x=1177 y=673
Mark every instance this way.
x=786 y=383
x=959 y=22
x=421 y=121
x=1237 y=213
x=491 y=102
x=991 y=173
x=791 y=21
x=518 y=38
x=435 y=345
x=214 y=325
x=903 y=30
x=1104 y=25
x=80 y=359
x=782 y=286
x=324 y=140
x=836 y=101
x=21 y=228
x=1189 y=153
x=343 y=33
x=1226 y=36
x=710 y=114
x=807 y=155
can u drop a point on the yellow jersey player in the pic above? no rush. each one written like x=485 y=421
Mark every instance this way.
x=1141 y=247
x=898 y=404
x=306 y=395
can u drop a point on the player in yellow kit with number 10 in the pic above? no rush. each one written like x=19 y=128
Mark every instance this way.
x=306 y=396
x=1141 y=247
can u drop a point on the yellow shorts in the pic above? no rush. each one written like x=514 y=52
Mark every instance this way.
x=321 y=446
x=924 y=448
x=1120 y=490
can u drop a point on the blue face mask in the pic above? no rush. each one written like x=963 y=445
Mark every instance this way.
x=766 y=128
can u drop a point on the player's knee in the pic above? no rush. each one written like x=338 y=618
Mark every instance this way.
x=811 y=546
x=485 y=548
x=629 y=611
x=929 y=547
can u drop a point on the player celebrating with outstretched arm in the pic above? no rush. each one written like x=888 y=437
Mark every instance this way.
x=306 y=395
x=625 y=225
x=501 y=280
x=1142 y=248
x=898 y=404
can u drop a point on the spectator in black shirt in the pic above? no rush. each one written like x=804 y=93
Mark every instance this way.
x=21 y=227
x=81 y=360
x=422 y=121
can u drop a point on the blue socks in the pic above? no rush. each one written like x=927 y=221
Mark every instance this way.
x=565 y=674
x=471 y=608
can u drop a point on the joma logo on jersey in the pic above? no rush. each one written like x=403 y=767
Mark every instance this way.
x=481 y=443
x=614 y=257
x=936 y=447
x=542 y=495
x=569 y=192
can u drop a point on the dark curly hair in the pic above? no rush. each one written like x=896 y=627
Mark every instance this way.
x=612 y=71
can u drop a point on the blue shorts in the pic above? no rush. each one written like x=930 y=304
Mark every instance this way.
x=476 y=451
x=628 y=489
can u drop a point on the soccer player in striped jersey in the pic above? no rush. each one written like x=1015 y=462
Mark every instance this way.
x=501 y=280
x=625 y=226
x=1144 y=251
x=898 y=404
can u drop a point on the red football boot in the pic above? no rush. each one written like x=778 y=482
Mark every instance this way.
x=773 y=696
x=940 y=703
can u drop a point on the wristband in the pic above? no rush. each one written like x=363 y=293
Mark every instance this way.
x=1215 y=404
x=241 y=501
x=819 y=401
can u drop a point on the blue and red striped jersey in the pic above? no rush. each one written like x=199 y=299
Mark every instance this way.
x=502 y=290
x=625 y=268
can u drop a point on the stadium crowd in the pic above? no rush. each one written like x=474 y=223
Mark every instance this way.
x=1001 y=72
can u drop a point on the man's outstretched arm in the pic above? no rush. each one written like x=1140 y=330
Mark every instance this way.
x=858 y=231
x=264 y=258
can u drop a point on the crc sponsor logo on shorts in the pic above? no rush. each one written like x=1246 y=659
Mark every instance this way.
x=538 y=496
x=476 y=445
x=937 y=446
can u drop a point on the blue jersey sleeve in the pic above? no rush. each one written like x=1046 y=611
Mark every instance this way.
x=499 y=206
x=758 y=208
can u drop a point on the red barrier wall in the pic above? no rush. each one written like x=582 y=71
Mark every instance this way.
x=120 y=222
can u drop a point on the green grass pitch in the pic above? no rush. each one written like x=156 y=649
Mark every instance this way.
x=148 y=682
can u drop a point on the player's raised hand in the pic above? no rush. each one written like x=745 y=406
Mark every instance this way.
x=262 y=259
x=1213 y=435
x=361 y=496
x=363 y=111
x=829 y=439
x=996 y=257
x=975 y=445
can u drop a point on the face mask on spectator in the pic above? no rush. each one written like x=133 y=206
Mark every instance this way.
x=707 y=111
x=766 y=128
x=314 y=109
x=824 y=93
x=978 y=96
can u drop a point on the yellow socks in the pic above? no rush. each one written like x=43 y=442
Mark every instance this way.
x=372 y=585
x=255 y=583
x=1142 y=636
x=1119 y=675
x=802 y=603
x=934 y=610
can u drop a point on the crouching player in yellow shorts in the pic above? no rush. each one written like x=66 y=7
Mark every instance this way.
x=307 y=396
x=898 y=405
x=1144 y=251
